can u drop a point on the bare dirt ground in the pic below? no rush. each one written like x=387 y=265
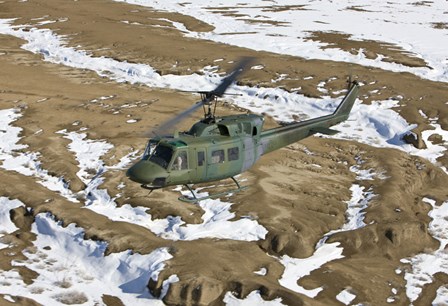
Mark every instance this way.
x=295 y=200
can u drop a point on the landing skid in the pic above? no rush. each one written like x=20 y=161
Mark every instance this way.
x=194 y=199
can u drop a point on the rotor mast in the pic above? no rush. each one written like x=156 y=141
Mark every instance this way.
x=208 y=98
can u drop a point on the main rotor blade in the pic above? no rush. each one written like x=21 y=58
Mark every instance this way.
x=225 y=83
x=167 y=126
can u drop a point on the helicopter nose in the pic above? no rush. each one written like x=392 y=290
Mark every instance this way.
x=145 y=172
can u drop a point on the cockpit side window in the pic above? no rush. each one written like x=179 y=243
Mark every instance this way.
x=180 y=162
x=161 y=156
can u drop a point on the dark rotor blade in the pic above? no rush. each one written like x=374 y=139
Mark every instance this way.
x=169 y=124
x=237 y=70
x=166 y=127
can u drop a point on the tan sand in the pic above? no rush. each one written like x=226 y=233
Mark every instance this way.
x=296 y=201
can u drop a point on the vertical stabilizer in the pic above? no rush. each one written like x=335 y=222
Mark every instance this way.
x=346 y=105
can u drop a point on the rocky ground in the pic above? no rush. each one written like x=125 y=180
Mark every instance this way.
x=297 y=194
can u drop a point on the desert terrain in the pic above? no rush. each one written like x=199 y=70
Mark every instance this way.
x=355 y=219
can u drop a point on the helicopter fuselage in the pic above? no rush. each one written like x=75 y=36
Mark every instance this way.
x=224 y=147
x=210 y=151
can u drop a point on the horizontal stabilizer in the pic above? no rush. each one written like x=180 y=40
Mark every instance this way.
x=324 y=130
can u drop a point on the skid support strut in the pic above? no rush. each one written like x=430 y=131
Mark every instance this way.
x=195 y=199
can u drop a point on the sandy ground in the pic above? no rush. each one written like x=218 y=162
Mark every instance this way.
x=296 y=201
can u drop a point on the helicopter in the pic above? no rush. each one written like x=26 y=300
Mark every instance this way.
x=217 y=148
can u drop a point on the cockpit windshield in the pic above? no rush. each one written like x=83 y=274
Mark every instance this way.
x=159 y=154
x=149 y=149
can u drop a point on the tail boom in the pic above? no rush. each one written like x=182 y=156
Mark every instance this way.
x=276 y=138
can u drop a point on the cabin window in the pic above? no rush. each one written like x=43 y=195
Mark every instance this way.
x=217 y=156
x=247 y=127
x=254 y=131
x=240 y=127
x=180 y=161
x=201 y=158
x=233 y=153
x=223 y=130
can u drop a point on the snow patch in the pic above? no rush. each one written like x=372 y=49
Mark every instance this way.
x=359 y=201
x=262 y=272
x=216 y=217
x=9 y=298
x=9 y=135
x=6 y=205
x=88 y=153
x=424 y=266
x=6 y=225
x=345 y=297
x=376 y=124
x=296 y=268
x=71 y=268
x=26 y=163
x=442 y=296
x=434 y=151
x=381 y=21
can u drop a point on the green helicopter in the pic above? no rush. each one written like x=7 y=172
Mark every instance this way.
x=217 y=148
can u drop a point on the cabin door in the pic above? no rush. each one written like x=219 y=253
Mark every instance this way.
x=180 y=168
x=216 y=163
x=250 y=151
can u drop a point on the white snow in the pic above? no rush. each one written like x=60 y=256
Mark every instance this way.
x=382 y=21
x=442 y=297
x=216 y=218
x=6 y=225
x=9 y=298
x=88 y=153
x=296 y=268
x=355 y=206
x=71 y=268
x=262 y=272
x=26 y=163
x=253 y=298
x=360 y=198
x=425 y=265
x=9 y=135
x=125 y=161
x=434 y=151
x=345 y=297
x=376 y=124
